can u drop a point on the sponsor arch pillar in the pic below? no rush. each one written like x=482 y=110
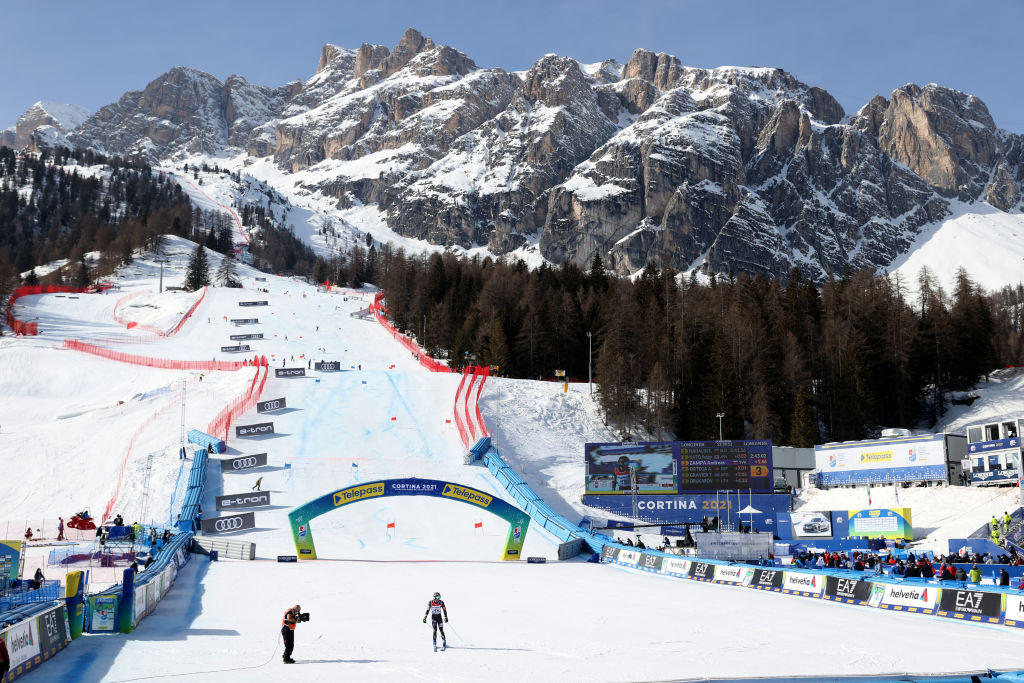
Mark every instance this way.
x=300 y=517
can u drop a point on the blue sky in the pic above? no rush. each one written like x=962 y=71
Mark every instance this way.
x=90 y=53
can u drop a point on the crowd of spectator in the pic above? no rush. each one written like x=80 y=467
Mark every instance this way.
x=941 y=568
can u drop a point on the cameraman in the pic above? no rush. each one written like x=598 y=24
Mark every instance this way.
x=291 y=618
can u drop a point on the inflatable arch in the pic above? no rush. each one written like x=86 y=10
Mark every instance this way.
x=518 y=521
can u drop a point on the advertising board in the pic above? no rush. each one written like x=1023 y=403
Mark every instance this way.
x=22 y=642
x=889 y=523
x=803 y=584
x=246 y=337
x=235 y=349
x=973 y=605
x=691 y=508
x=983 y=477
x=245 y=321
x=1013 y=613
x=327 y=366
x=628 y=556
x=702 y=571
x=731 y=574
x=229 y=523
x=243 y=462
x=649 y=562
x=896 y=459
x=104 y=612
x=53 y=629
x=139 y=605
x=906 y=598
x=289 y=372
x=767 y=579
x=253 y=303
x=252 y=499
x=675 y=566
x=997 y=445
x=811 y=524
x=609 y=553
x=271 y=405
x=258 y=429
x=847 y=590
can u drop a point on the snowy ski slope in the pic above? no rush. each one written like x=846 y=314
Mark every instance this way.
x=65 y=434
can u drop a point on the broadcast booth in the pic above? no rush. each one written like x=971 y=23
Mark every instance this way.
x=994 y=453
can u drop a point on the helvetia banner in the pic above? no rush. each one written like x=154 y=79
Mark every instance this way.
x=327 y=366
x=253 y=499
x=848 y=589
x=243 y=462
x=253 y=303
x=906 y=597
x=245 y=321
x=677 y=567
x=270 y=406
x=1013 y=615
x=804 y=584
x=223 y=525
x=246 y=337
x=235 y=349
x=258 y=429
x=22 y=642
x=953 y=603
x=730 y=574
x=289 y=372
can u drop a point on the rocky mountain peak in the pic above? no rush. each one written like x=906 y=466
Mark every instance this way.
x=59 y=118
x=660 y=69
x=386 y=62
x=332 y=55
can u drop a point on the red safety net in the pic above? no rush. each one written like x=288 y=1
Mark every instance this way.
x=242 y=403
x=164 y=363
x=188 y=313
x=32 y=328
x=459 y=422
x=378 y=309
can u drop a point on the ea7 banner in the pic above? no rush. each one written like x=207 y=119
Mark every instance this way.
x=972 y=605
x=223 y=525
x=253 y=499
x=258 y=429
x=702 y=571
x=289 y=372
x=767 y=579
x=270 y=406
x=609 y=553
x=847 y=590
x=651 y=563
x=243 y=462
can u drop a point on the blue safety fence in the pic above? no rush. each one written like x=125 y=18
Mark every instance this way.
x=21 y=612
x=193 y=492
x=205 y=441
x=21 y=593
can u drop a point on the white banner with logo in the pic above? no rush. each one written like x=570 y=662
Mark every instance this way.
x=628 y=556
x=909 y=597
x=729 y=574
x=674 y=566
x=22 y=642
x=805 y=584
x=139 y=608
x=1014 y=614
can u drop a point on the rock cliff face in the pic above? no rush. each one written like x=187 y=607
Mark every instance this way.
x=729 y=169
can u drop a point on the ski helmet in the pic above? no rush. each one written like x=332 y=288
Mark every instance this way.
x=437 y=596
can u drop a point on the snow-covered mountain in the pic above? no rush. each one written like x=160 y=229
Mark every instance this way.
x=44 y=124
x=723 y=170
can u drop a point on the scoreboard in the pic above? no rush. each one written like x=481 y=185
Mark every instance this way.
x=677 y=467
x=724 y=465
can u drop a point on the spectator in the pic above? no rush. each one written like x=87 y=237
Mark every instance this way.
x=975 y=574
x=149 y=561
x=60 y=529
x=134 y=567
x=28 y=534
x=640 y=543
x=927 y=571
x=37 y=580
x=961 y=575
x=1004 y=578
x=912 y=572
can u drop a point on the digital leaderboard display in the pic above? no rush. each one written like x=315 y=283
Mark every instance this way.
x=673 y=467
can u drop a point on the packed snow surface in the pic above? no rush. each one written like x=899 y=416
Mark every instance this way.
x=70 y=422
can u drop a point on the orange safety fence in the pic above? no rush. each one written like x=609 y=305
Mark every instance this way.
x=242 y=403
x=188 y=313
x=459 y=422
x=32 y=328
x=164 y=363
x=484 y=372
x=133 y=325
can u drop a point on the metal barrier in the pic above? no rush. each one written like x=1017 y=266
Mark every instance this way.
x=234 y=550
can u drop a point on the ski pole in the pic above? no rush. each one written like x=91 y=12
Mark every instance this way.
x=458 y=635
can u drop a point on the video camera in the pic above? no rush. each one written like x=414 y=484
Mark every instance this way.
x=303 y=616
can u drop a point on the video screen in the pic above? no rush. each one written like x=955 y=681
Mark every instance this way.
x=622 y=468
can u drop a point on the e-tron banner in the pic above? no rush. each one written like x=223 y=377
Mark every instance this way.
x=289 y=372
x=253 y=303
x=270 y=406
x=223 y=525
x=257 y=429
x=253 y=499
x=235 y=349
x=848 y=590
x=243 y=462
x=246 y=337
x=245 y=321
x=975 y=605
x=327 y=366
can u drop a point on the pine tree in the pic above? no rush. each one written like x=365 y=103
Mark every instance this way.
x=226 y=271
x=198 y=272
x=802 y=432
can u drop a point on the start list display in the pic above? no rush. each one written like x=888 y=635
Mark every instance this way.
x=679 y=467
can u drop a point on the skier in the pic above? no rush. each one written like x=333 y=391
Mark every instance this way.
x=622 y=478
x=435 y=608
x=257 y=486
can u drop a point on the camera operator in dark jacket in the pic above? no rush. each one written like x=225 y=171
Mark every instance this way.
x=291 y=619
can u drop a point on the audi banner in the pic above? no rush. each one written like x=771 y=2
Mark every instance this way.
x=327 y=366
x=253 y=303
x=235 y=349
x=223 y=525
x=245 y=321
x=246 y=337
x=848 y=589
x=971 y=602
x=244 y=462
x=257 y=429
x=234 y=501
x=270 y=406
x=289 y=372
